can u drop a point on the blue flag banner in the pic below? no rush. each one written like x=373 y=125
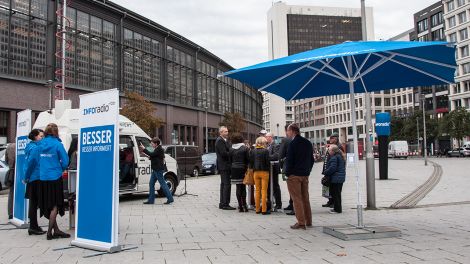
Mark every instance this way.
x=20 y=203
x=97 y=179
x=382 y=124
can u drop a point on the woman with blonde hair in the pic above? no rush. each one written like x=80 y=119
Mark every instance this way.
x=259 y=159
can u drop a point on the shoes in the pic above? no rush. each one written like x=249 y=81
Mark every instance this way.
x=61 y=234
x=228 y=207
x=290 y=213
x=36 y=231
x=289 y=208
x=147 y=202
x=242 y=209
x=258 y=212
x=49 y=236
x=168 y=202
x=332 y=211
x=297 y=226
x=266 y=213
x=309 y=225
x=10 y=217
x=278 y=207
x=326 y=205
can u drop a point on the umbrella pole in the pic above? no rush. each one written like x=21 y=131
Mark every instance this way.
x=360 y=223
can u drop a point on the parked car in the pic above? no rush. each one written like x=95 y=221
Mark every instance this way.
x=459 y=152
x=3 y=173
x=187 y=157
x=209 y=164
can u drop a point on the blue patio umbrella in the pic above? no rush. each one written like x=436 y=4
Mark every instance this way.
x=353 y=67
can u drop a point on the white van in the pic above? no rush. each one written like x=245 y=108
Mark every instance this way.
x=398 y=149
x=137 y=177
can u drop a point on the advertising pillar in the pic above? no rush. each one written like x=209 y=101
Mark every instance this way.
x=97 y=176
x=20 y=203
x=382 y=128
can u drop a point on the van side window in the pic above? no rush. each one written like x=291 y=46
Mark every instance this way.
x=170 y=151
x=146 y=143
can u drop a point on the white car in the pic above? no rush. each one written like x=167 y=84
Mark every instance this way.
x=3 y=173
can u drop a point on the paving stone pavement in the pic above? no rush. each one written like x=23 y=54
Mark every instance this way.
x=194 y=230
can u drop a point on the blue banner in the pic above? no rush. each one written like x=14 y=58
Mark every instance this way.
x=20 y=203
x=382 y=124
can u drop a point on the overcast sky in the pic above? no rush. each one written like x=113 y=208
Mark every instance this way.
x=236 y=30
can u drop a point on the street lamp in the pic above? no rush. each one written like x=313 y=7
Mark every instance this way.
x=423 y=98
x=207 y=133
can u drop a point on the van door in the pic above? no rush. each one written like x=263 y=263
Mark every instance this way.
x=127 y=164
x=143 y=165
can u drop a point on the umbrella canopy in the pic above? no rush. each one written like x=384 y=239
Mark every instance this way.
x=375 y=65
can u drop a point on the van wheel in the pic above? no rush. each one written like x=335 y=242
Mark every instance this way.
x=195 y=172
x=171 y=182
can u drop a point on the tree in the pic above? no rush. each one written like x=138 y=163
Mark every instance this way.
x=141 y=112
x=457 y=124
x=234 y=122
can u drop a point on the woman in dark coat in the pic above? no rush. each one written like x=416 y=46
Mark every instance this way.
x=239 y=159
x=336 y=171
x=32 y=180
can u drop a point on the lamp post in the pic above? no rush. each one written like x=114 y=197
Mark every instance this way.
x=424 y=131
x=207 y=133
x=417 y=129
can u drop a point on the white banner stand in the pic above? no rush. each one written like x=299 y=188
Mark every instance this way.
x=97 y=207
x=20 y=203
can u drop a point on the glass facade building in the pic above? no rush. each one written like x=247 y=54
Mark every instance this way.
x=112 y=47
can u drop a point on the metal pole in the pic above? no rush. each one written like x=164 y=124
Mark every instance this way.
x=360 y=223
x=207 y=134
x=424 y=137
x=417 y=128
x=370 y=166
x=64 y=28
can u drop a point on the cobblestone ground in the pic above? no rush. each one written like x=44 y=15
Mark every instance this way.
x=194 y=230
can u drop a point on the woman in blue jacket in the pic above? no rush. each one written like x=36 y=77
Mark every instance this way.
x=53 y=160
x=336 y=172
x=32 y=180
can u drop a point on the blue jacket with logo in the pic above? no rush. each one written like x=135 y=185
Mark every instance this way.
x=31 y=166
x=53 y=159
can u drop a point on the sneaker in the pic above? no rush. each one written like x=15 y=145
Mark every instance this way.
x=332 y=211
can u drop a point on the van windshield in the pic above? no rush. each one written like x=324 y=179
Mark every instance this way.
x=146 y=143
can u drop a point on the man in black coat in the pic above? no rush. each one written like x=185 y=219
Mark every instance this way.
x=273 y=150
x=299 y=164
x=222 y=148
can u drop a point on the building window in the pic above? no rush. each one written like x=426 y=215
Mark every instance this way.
x=450 y=6
x=466 y=68
x=464 y=51
x=460 y=3
x=4 y=123
x=462 y=17
x=437 y=34
x=436 y=19
x=451 y=22
x=422 y=25
x=453 y=37
x=378 y=101
x=463 y=34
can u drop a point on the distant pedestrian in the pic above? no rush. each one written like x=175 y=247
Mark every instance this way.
x=222 y=148
x=53 y=160
x=10 y=158
x=299 y=164
x=336 y=172
x=334 y=140
x=157 y=159
x=239 y=156
x=259 y=158
x=33 y=184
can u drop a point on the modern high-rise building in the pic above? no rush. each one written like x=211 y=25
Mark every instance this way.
x=294 y=29
x=456 y=17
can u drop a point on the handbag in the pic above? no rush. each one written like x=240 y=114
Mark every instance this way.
x=325 y=192
x=249 y=178
x=325 y=181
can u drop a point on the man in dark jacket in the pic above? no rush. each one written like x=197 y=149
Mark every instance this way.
x=10 y=158
x=273 y=150
x=157 y=159
x=222 y=148
x=282 y=158
x=299 y=164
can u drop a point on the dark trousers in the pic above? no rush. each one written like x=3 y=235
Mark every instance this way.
x=225 y=188
x=10 y=199
x=33 y=213
x=335 y=192
x=276 y=187
x=241 y=195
